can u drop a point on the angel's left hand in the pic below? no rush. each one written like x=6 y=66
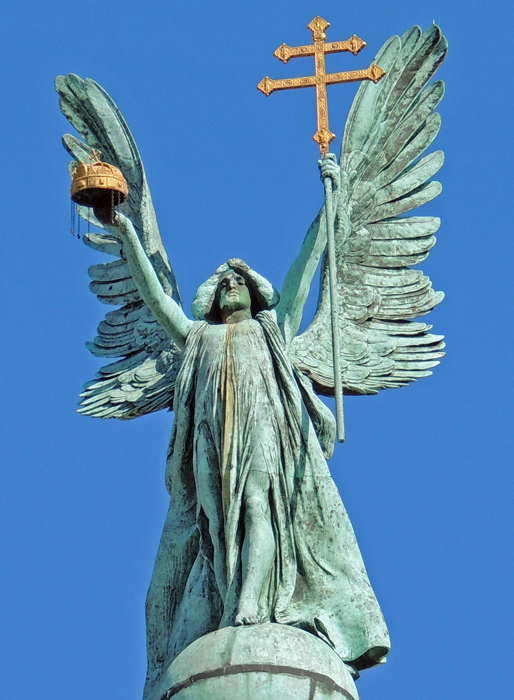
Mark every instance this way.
x=104 y=211
x=329 y=168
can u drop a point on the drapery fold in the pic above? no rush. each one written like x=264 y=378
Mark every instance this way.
x=241 y=405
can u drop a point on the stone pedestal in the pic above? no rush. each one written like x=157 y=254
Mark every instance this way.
x=258 y=662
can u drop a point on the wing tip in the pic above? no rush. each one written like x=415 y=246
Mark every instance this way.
x=59 y=83
x=438 y=297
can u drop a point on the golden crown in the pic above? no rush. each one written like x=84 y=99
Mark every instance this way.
x=90 y=182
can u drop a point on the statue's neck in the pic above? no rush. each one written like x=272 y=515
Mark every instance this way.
x=235 y=316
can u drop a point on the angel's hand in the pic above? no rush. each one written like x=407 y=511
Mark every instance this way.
x=105 y=212
x=329 y=168
x=113 y=221
x=121 y=225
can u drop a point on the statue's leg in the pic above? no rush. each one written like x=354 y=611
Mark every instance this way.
x=209 y=497
x=258 y=546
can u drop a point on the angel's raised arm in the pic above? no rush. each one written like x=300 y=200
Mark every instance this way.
x=164 y=308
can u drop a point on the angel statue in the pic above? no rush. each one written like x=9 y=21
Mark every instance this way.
x=256 y=531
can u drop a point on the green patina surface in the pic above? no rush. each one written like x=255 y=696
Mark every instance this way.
x=257 y=662
x=256 y=531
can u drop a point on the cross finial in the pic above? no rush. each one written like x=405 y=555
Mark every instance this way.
x=321 y=79
x=318 y=26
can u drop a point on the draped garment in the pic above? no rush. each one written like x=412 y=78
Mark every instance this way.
x=240 y=405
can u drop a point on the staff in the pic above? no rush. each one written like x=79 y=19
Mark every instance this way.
x=323 y=137
x=334 y=307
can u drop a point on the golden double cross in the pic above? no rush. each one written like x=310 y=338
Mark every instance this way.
x=318 y=49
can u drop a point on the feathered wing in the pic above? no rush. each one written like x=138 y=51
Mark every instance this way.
x=383 y=177
x=143 y=379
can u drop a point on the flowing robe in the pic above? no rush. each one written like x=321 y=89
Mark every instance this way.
x=240 y=405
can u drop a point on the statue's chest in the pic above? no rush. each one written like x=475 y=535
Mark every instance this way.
x=236 y=350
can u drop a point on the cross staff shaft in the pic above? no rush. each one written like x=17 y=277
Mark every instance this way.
x=321 y=79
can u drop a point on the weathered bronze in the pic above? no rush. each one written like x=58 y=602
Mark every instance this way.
x=258 y=580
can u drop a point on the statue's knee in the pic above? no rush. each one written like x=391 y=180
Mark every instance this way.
x=256 y=505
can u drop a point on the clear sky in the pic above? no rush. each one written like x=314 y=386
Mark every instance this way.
x=426 y=471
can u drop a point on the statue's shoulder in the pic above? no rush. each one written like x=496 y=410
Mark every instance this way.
x=202 y=331
x=267 y=317
x=195 y=332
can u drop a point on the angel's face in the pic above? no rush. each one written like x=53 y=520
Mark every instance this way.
x=234 y=295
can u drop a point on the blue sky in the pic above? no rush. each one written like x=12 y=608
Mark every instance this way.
x=426 y=471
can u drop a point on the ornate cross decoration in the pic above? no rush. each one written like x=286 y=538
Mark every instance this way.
x=318 y=49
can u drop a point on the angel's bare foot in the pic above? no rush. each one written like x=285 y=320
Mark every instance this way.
x=248 y=614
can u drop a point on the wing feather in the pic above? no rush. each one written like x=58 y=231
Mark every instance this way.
x=410 y=151
x=410 y=180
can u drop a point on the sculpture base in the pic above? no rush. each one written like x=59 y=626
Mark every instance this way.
x=257 y=662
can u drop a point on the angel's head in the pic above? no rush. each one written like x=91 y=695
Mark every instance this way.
x=233 y=288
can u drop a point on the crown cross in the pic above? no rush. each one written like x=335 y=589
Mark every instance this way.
x=321 y=79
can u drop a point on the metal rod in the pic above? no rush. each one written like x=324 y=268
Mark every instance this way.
x=334 y=306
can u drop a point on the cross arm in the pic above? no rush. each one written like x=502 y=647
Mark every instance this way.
x=268 y=85
x=354 y=44
x=373 y=73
